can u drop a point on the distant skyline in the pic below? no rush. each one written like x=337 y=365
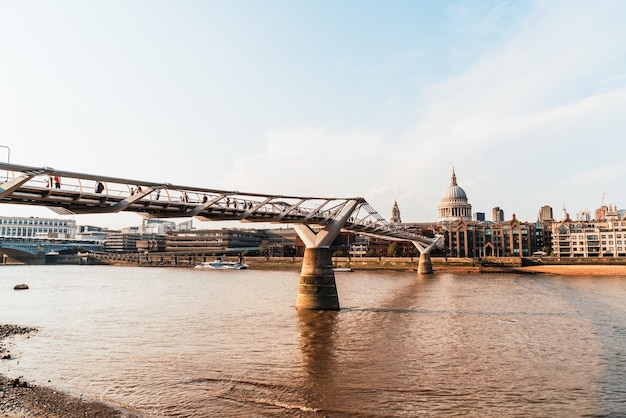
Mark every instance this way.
x=378 y=99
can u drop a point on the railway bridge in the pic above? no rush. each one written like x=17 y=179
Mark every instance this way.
x=316 y=220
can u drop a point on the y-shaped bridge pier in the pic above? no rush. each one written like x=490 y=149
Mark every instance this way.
x=317 y=221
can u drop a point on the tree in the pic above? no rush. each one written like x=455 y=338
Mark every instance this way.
x=394 y=250
x=264 y=247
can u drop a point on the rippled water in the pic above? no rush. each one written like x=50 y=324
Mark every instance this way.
x=183 y=342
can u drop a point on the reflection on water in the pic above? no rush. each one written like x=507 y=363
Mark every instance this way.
x=173 y=342
x=317 y=344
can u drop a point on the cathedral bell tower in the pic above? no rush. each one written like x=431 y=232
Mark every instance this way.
x=395 y=214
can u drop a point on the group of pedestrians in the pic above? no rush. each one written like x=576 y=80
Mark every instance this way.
x=56 y=181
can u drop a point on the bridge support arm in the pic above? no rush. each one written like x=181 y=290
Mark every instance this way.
x=198 y=209
x=120 y=206
x=8 y=187
x=318 y=289
x=423 y=248
x=425 y=264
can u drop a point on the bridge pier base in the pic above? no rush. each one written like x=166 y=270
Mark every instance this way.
x=425 y=266
x=317 y=288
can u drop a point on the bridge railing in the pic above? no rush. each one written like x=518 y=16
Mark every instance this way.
x=78 y=193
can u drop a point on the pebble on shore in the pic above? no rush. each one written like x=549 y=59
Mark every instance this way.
x=19 y=398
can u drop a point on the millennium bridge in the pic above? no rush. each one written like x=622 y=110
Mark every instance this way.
x=316 y=220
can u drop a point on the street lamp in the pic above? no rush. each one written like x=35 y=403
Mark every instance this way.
x=8 y=158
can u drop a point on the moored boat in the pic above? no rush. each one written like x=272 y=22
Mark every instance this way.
x=222 y=265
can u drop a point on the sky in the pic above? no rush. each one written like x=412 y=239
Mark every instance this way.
x=341 y=98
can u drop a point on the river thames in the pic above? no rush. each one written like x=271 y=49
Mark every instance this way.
x=172 y=342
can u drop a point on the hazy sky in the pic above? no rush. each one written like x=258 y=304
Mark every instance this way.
x=379 y=99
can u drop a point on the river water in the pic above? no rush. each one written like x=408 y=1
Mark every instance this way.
x=194 y=343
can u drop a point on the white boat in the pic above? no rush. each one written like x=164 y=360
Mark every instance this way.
x=222 y=265
x=344 y=269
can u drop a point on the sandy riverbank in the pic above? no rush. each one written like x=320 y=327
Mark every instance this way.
x=19 y=398
x=558 y=270
x=578 y=270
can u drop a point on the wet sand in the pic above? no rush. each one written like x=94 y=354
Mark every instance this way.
x=18 y=398
x=577 y=270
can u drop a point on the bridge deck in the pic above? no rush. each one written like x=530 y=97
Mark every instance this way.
x=77 y=195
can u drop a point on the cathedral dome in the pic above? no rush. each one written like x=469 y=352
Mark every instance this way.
x=454 y=205
x=455 y=192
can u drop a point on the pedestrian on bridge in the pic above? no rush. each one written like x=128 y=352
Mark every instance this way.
x=57 y=182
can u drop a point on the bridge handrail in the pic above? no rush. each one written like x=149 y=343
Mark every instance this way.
x=120 y=180
x=176 y=200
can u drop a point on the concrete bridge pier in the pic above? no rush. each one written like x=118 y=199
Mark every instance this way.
x=425 y=264
x=318 y=289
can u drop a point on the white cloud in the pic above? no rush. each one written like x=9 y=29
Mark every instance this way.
x=523 y=113
x=311 y=161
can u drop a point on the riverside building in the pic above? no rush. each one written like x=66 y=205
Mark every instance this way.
x=492 y=239
x=37 y=228
x=274 y=242
x=600 y=238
